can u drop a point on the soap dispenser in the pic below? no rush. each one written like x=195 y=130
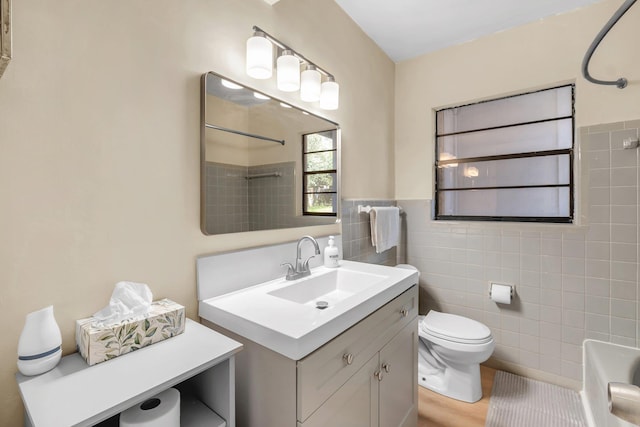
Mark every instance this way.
x=331 y=255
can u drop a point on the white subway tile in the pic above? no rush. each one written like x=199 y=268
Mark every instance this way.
x=622 y=233
x=623 y=290
x=624 y=308
x=573 y=301
x=597 y=323
x=598 y=251
x=624 y=195
x=573 y=318
x=572 y=370
x=624 y=271
x=551 y=364
x=623 y=327
x=624 y=215
x=573 y=266
x=624 y=177
x=529 y=359
x=597 y=287
x=571 y=335
x=597 y=305
x=598 y=269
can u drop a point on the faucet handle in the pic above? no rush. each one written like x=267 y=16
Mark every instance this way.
x=291 y=271
x=305 y=266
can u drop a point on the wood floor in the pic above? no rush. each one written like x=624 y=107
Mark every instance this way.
x=435 y=410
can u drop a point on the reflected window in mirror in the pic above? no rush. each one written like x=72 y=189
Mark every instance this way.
x=319 y=159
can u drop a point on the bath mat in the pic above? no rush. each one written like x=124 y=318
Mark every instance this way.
x=521 y=402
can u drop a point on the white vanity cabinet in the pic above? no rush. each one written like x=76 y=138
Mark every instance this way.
x=366 y=376
x=382 y=393
x=199 y=362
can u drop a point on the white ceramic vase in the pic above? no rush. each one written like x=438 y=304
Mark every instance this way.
x=39 y=347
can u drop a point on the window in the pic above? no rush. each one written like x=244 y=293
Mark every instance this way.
x=508 y=159
x=319 y=173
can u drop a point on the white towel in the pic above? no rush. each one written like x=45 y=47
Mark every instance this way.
x=385 y=227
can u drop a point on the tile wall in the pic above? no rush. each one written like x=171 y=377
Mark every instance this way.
x=272 y=199
x=226 y=198
x=572 y=282
x=235 y=203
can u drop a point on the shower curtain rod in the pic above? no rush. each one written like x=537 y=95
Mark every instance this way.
x=621 y=83
x=250 y=135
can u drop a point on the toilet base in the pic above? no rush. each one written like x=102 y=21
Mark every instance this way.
x=456 y=384
x=460 y=382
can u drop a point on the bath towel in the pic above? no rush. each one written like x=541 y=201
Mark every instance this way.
x=385 y=227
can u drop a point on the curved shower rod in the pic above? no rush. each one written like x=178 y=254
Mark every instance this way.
x=621 y=83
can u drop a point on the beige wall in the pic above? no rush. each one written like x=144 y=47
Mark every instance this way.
x=537 y=55
x=99 y=135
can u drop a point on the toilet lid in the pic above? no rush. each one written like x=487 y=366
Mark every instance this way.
x=455 y=328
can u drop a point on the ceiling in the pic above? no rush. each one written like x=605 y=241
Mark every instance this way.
x=405 y=29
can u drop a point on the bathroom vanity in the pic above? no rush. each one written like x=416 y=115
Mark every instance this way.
x=353 y=363
x=366 y=376
x=199 y=362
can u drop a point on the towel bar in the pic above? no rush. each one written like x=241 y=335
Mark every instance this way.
x=367 y=209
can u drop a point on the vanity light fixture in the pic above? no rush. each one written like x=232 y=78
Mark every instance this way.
x=288 y=70
x=330 y=94
x=259 y=56
x=471 y=172
x=289 y=79
x=310 y=84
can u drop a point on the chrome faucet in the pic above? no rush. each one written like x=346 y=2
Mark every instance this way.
x=302 y=268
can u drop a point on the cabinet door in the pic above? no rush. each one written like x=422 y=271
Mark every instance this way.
x=399 y=383
x=355 y=404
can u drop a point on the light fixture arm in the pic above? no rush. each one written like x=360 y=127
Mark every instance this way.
x=283 y=46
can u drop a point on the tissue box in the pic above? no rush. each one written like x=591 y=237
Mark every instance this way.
x=97 y=343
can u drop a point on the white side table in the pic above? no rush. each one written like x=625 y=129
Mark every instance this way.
x=199 y=360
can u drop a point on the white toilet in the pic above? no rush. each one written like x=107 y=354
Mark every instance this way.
x=450 y=351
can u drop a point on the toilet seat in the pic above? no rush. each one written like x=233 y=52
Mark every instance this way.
x=458 y=329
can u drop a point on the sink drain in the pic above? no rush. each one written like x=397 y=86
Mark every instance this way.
x=322 y=305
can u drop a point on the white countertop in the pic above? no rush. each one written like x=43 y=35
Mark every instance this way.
x=295 y=330
x=75 y=393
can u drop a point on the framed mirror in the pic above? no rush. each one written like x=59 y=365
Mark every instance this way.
x=264 y=164
x=5 y=34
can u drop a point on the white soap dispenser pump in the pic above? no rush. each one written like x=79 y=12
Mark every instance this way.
x=331 y=255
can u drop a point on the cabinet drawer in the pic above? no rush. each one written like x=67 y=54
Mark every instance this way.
x=324 y=371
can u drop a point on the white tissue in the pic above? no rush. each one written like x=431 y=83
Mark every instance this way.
x=129 y=299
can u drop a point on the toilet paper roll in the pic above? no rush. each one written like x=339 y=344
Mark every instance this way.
x=501 y=293
x=161 y=410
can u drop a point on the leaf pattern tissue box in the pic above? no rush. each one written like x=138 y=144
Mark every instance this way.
x=97 y=343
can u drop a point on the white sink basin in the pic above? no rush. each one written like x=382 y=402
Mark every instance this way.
x=331 y=287
x=282 y=315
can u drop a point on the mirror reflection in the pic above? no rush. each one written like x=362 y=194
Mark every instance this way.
x=264 y=164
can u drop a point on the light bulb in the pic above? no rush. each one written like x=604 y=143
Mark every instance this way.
x=259 y=56
x=310 y=81
x=230 y=85
x=288 y=72
x=330 y=94
x=260 y=96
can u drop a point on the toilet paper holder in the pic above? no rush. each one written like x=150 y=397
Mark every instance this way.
x=500 y=290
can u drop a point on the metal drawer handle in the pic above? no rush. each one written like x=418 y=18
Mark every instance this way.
x=386 y=367
x=378 y=375
x=348 y=358
x=404 y=312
